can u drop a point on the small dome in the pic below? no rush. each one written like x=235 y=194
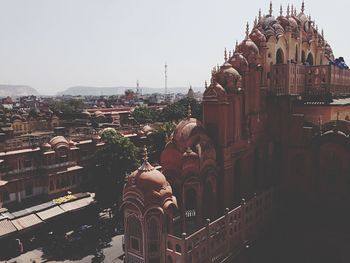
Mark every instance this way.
x=184 y=130
x=249 y=50
x=99 y=114
x=257 y=37
x=147 y=130
x=58 y=142
x=283 y=21
x=239 y=62
x=86 y=113
x=149 y=180
x=293 y=23
x=45 y=147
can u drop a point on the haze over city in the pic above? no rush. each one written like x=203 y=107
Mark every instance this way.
x=53 y=45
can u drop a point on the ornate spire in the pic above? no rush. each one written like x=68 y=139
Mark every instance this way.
x=247 y=31
x=303 y=7
x=270 y=11
x=146 y=166
x=225 y=55
x=236 y=47
x=205 y=84
x=229 y=54
x=259 y=16
x=189 y=111
x=255 y=21
x=281 y=11
x=292 y=10
x=288 y=11
x=322 y=34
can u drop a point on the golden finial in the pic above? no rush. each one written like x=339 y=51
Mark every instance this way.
x=247 y=31
x=281 y=11
x=303 y=7
x=189 y=111
x=259 y=16
x=225 y=55
x=288 y=11
x=270 y=11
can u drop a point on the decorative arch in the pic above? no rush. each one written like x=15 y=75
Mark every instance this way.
x=153 y=239
x=279 y=56
x=134 y=234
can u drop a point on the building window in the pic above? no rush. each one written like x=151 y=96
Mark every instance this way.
x=135 y=233
x=153 y=236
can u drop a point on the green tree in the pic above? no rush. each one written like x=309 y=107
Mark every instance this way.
x=178 y=110
x=145 y=114
x=113 y=162
x=68 y=106
x=158 y=139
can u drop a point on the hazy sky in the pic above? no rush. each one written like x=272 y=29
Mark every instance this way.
x=54 y=44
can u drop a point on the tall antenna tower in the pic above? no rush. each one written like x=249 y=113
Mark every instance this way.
x=138 y=91
x=166 y=78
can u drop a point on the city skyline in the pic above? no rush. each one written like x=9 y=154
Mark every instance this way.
x=55 y=45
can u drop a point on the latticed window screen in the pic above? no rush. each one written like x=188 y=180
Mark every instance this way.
x=135 y=233
x=153 y=235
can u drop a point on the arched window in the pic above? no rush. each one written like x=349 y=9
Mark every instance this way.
x=279 y=56
x=310 y=59
x=153 y=238
x=135 y=234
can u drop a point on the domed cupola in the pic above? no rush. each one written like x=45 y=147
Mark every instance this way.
x=248 y=48
x=151 y=182
x=258 y=37
x=228 y=77
x=239 y=62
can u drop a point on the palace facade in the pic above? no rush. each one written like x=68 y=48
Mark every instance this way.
x=276 y=114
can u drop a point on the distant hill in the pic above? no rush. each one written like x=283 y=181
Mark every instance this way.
x=17 y=90
x=97 y=91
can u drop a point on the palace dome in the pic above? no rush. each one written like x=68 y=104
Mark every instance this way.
x=257 y=37
x=58 y=142
x=239 y=62
x=248 y=48
x=184 y=130
x=150 y=181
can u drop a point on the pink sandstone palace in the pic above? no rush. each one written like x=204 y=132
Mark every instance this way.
x=275 y=116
